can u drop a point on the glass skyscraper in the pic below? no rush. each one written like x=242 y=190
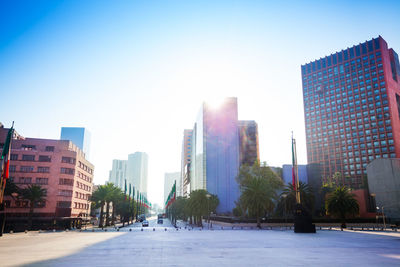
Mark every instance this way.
x=79 y=136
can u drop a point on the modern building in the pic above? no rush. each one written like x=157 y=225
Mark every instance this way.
x=79 y=136
x=311 y=175
x=58 y=166
x=169 y=180
x=118 y=173
x=185 y=163
x=134 y=171
x=352 y=109
x=137 y=170
x=384 y=185
x=248 y=139
x=217 y=150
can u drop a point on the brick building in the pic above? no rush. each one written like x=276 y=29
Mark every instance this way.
x=61 y=169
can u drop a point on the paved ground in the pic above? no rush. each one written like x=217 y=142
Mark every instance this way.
x=200 y=248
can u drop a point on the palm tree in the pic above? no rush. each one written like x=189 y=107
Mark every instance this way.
x=33 y=193
x=287 y=200
x=258 y=186
x=100 y=196
x=341 y=203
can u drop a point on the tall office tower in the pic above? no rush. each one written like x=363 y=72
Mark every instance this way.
x=59 y=167
x=215 y=153
x=169 y=180
x=248 y=140
x=79 y=136
x=185 y=163
x=118 y=173
x=137 y=171
x=352 y=109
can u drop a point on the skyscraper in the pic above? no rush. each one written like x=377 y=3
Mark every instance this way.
x=215 y=150
x=185 y=163
x=79 y=136
x=137 y=171
x=118 y=173
x=352 y=109
x=248 y=139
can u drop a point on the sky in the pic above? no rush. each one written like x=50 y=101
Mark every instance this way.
x=134 y=73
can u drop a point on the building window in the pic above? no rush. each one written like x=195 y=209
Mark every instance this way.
x=42 y=180
x=13 y=168
x=44 y=159
x=14 y=157
x=68 y=160
x=28 y=147
x=65 y=193
x=63 y=181
x=40 y=204
x=25 y=180
x=43 y=169
x=49 y=148
x=26 y=169
x=28 y=157
x=63 y=204
x=67 y=171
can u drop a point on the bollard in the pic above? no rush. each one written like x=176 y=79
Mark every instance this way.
x=117 y=229
x=130 y=230
x=165 y=229
x=176 y=229
x=232 y=227
x=222 y=228
x=26 y=231
x=11 y=231
x=154 y=229
x=54 y=230
x=105 y=230
x=142 y=229
x=241 y=227
x=92 y=230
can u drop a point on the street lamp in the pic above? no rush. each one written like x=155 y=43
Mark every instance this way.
x=208 y=209
x=383 y=216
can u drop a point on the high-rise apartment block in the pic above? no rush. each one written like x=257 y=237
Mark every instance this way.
x=185 y=164
x=79 y=136
x=217 y=141
x=134 y=171
x=58 y=166
x=352 y=109
x=118 y=173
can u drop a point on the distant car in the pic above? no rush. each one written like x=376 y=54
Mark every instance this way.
x=160 y=221
x=145 y=223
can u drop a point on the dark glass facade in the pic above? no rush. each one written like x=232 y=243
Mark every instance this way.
x=350 y=107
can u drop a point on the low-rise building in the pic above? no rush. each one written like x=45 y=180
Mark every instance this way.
x=60 y=168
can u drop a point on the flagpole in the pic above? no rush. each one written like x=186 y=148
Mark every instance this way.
x=296 y=170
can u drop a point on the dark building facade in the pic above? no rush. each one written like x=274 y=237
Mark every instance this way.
x=248 y=142
x=352 y=109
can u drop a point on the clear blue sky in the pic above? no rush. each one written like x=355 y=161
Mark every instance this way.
x=135 y=72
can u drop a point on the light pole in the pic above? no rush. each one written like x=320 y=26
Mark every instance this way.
x=208 y=209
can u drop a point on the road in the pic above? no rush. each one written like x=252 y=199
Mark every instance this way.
x=183 y=247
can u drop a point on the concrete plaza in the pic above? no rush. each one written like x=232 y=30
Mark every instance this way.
x=200 y=248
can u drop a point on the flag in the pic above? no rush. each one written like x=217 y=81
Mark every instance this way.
x=125 y=190
x=293 y=166
x=5 y=162
x=5 y=155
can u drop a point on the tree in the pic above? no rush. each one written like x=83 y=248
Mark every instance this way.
x=258 y=186
x=341 y=204
x=99 y=197
x=287 y=199
x=200 y=205
x=34 y=194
